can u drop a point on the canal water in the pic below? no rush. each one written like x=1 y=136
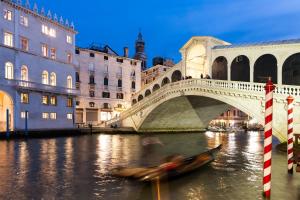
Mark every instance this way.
x=78 y=168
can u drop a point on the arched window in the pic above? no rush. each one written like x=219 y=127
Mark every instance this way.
x=53 y=79
x=140 y=97
x=45 y=79
x=165 y=81
x=219 y=68
x=77 y=77
x=105 y=81
x=291 y=70
x=176 y=76
x=133 y=85
x=119 y=83
x=92 y=79
x=24 y=73
x=9 y=70
x=155 y=87
x=69 y=82
x=147 y=93
x=240 y=69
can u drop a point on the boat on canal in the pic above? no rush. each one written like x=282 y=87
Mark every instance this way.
x=174 y=166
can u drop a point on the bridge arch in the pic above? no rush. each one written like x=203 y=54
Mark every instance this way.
x=147 y=93
x=220 y=68
x=155 y=87
x=140 y=97
x=165 y=81
x=6 y=102
x=240 y=69
x=176 y=76
x=291 y=70
x=265 y=66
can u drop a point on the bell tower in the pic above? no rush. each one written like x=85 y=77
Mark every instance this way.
x=140 y=51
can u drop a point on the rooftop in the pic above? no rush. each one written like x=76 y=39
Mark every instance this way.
x=278 y=42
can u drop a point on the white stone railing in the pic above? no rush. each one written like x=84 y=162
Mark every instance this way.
x=257 y=89
x=39 y=87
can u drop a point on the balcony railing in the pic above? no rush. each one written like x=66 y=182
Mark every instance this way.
x=18 y=84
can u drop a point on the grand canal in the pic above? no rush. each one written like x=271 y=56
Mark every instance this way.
x=78 y=168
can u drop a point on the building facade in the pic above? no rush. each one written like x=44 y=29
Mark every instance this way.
x=106 y=82
x=37 y=70
x=150 y=75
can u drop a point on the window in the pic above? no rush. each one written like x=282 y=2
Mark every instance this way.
x=53 y=79
x=77 y=51
x=44 y=50
x=23 y=114
x=45 y=78
x=119 y=60
x=91 y=67
x=48 y=31
x=120 y=96
x=92 y=55
x=120 y=106
x=70 y=116
x=8 y=39
x=53 y=100
x=69 y=57
x=92 y=93
x=106 y=106
x=77 y=103
x=133 y=85
x=69 y=82
x=69 y=39
x=70 y=102
x=92 y=104
x=24 y=73
x=133 y=62
x=53 y=53
x=45 y=115
x=25 y=98
x=92 y=79
x=77 y=77
x=24 y=20
x=45 y=100
x=105 y=57
x=9 y=70
x=52 y=115
x=24 y=44
x=7 y=15
x=119 y=83
x=106 y=81
x=105 y=94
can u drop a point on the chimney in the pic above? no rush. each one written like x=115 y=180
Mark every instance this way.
x=126 y=52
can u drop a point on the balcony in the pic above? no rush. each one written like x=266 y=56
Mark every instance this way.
x=38 y=87
x=92 y=86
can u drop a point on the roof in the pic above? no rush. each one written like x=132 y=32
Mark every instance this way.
x=102 y=48
x=278 y=42
x=190 y=41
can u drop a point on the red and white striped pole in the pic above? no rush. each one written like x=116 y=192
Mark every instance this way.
x=268 y=138
x=290 y=135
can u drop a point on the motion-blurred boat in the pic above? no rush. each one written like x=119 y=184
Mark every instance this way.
x=174 y=167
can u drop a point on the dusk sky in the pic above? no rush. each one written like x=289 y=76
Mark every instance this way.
x=167 y=25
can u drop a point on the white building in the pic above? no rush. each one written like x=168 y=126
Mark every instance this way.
x=37 y=71
x=106 y=82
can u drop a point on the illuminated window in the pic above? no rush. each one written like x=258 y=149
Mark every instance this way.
x=44 y=50
x=70 y=102
x=24 y=20
x=23 y=114
x=53 y=100
x=48 y=31
x=8 y=39
x=24 y=98
x=24 y=44
x=69 y=82
x=53 y=79
x=45 y=79
x=69 y=39
x=24 y=73
x=7 y=15
x=45 y=115
x=9 y=70
x=69 y=116
x=45 y=100
x=53 y=53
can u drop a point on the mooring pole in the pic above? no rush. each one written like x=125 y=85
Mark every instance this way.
x=7 y=123
x=269 y=88
x=290 y=134
x=26 y=123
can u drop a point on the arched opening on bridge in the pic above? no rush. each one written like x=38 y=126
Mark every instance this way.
x=176 y=76
x=133 y=102
x=240 y=69
x=165 y=81
x=147 y=93
x=291 y=70
x=6 y=103
x=219 y=68
x=140 y=98
x=155 y=87
x=264 y=67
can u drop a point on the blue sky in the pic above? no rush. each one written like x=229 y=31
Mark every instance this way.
x=167 y=25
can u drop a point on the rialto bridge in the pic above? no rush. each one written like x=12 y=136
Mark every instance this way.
x=238 y=74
